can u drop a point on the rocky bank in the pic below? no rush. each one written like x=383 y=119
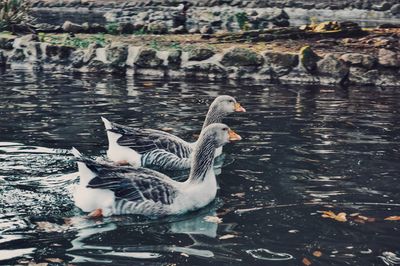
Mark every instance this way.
x=313 y=61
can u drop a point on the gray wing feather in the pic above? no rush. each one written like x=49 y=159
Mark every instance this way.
x=137 y=185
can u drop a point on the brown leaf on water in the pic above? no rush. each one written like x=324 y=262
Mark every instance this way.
x=317 y=253
x=362 y=219
x=148 y=84
x=393 y=218
x=306 y=261
x=340 y=217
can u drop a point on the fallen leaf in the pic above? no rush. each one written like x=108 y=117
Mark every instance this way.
x=228 y=236
x=185 y=255
x=148 y=84
x=363 y=217
x=213 y=219
x=167 y=129
x=317 y=253
x=393 y=218
x=340 y=217
x=354 y=214
x=306 y=261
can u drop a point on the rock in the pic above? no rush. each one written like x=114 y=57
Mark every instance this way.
x=199 y=54
x=46 y=27
x=68 y=26
x=7 y=41
x=148 y=58
x=363 y=60
x=332 y=69
x=388 y=77
x=34 y=51
x=90 y=52
x=25 y=40
x=395 y=10
x=385 y=6
x=308 y=59
x=206 y=29
x=361 y=76
x=242 y=57
x=97 y=28
x=117 y=53
x=157 y=27
x=126 y=28
x=174 y=59
x=201 y=69
x=178 y=30
x=77 y=58
x=280 y=64
x=389 y=58
x=18 y=55
x=98 y=66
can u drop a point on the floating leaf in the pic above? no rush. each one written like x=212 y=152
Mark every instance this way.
x=317 y=253
x=148 y=84
x=340 y=217
x=306 y=261
x=228 y=236
x=213 y=219
x=185 y=255
x=393 y=218
x=167 y=129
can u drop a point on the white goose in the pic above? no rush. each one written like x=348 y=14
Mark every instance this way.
x=106 y=190
x=158 y=149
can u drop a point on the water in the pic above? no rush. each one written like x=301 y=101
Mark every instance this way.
x=304 y=150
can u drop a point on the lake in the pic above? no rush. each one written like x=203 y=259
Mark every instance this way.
x=305 y=150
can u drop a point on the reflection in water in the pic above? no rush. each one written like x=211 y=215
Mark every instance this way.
x=304 y=149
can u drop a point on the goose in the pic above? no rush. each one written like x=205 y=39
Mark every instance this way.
x=157 y=149
x=107 y=189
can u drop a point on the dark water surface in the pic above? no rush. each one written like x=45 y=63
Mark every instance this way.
x=304 y=150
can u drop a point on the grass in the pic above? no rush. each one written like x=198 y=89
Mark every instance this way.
x=77 y=42
x=13 y=12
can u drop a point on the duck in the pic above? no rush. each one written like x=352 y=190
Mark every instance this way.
x=158 y=149
x=107 y=189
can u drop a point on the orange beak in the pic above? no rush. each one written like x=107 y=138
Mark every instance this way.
x=239 y=108
x=233 y=136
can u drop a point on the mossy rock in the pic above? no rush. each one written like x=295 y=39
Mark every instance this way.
x=199 y=54
x=308 y=58
x=242 y=57
x=148 y=59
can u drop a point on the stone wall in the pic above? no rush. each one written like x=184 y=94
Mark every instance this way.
x=304 y=67
x=378 y=5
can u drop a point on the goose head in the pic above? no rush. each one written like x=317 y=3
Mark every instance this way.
x=220 y=134
x=226 y=104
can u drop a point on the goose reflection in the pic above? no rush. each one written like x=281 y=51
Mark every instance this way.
x=192 y=229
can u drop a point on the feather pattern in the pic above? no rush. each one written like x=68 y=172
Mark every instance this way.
x=149 y=143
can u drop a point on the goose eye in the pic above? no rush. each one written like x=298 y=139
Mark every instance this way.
x=225 y=129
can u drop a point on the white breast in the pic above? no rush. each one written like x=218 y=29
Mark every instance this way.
x=194 y=196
